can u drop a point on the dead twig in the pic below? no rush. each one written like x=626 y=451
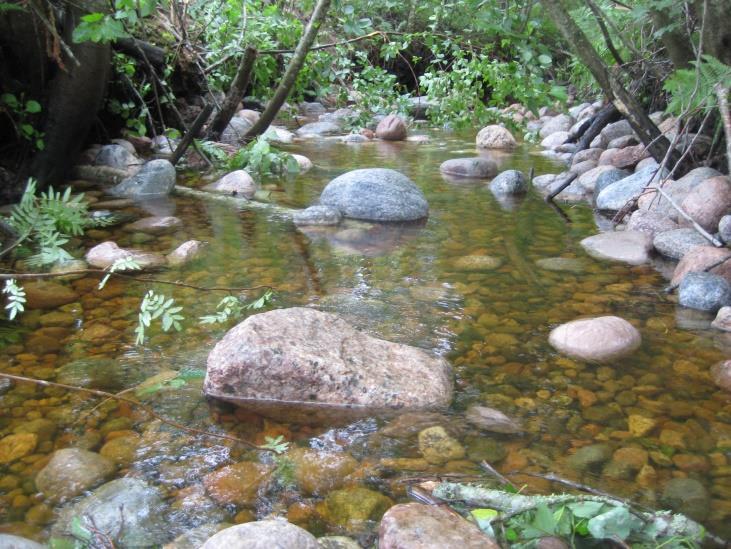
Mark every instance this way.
x=145 y=408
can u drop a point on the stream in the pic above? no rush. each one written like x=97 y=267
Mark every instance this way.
x=404 y=283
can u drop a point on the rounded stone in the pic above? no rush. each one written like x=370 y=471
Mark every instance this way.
x=704 y=291
x=72 y=471
x=103 y=256
x=495 y=137
x=375 y=194
x=262 y=534
x=236 y=183
x=438 y=447
x=155 y=225
x=470 y=168
x=721 y=374
x=155 y=178
x=599 y=339
x=631 y=247
x=509 y=182
x=317 y=215
x=678 y=242
x=415 y=525
x=687 y=496
x=185 y=253
x=391 y=128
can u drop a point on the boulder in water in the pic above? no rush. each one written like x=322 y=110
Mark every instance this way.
x=155 y=178
x=599 y=339
x=495 y=137
x=391 y=128
x=262 y=534
x=471 y=168
x=375 y=194
x=313 y=361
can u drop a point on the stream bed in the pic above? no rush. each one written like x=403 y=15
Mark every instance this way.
x=646 y=419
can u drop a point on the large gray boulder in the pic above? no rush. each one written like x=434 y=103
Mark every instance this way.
x=678 y=242
x=599 y=339
x=560 y=123
x=415 y=525
x=509 y=182
x=234 y=133
x=615 y=196
x=70 y=472
x=263 y=534
x=313 y=360
x=127 y=510
x=704 y=291
x=155 y=178
x=375 y=194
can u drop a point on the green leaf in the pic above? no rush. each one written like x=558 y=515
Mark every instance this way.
x=32 y=107
x=78 y=530
x=544 y=520
x=586 y=509
x=511 y=534
x=616 y=523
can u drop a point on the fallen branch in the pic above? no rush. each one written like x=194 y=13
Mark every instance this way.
x=233 y=200
x=569 y=179
x=146 y=280
x=191 y=134
x=149 y=411
x=663 y=524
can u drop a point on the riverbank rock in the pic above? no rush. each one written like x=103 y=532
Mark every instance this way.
x=701 y=258
x=419 y=526
x=391 y=128
x=375 y=194
x=262 y=534
x=471 y=168
x=615 y=130
x=127 y=510
x=650 y=222
x=676 y=190
x=119 y=157
x=312 y=360
x=616 y=195
x=704 y=291
x=234 y=133
x=155 y=178
x=318 y=215
x=103 y=256
x=318 y=129
x=155 y=225
x=236 y=183
x=631 y=247
x=723 y=319
x=304 y=163
x=72 y=471
x=599 y=339
x=509 y=182
x=559 y=123
x=678 y=242
x=494 y=421
x=495 y=137
x=708 y=203
x=185 y=253
x=555 y=140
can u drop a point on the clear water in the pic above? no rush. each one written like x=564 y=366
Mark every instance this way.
x=401 y=284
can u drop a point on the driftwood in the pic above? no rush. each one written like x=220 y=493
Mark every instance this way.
x=191 y=134
x=234 y=200
x=99 y=174
x=664 y=524
x=134 y=47
x=569 y=179
x=599 y=122
x=234 y=96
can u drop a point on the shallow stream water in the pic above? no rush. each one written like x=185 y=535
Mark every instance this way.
x=401 y=283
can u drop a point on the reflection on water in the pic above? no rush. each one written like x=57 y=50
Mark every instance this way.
x=403 y=283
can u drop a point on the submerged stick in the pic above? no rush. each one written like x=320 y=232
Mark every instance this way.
x=145 y=408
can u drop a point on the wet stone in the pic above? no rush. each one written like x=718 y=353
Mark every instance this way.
x=590 y=457
x=355 y=508
x=489 y=419
x=438 y=447
x=262 y=534
x=72 y=471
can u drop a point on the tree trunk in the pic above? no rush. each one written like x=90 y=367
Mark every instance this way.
x=676 y=42
x=75 y=97
x=717 y=29
x=293 y=69
x=234 y=96
x=647 y=131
